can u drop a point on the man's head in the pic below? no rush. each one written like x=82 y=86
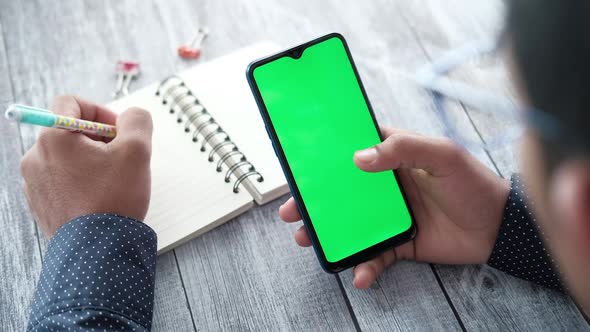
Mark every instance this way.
x=550 y=42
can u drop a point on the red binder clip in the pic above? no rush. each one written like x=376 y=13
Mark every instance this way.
x=124 y=66
x=193 y=49
x=126 y=71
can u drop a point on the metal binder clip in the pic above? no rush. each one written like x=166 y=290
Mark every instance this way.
x=192 y=50
x=126 y=71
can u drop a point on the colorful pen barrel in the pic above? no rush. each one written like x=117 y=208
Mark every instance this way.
x=41 y=117
x=87 y=127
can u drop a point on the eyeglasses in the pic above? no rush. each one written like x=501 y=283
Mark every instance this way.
x=498 y=120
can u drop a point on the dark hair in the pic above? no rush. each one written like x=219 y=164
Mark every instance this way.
x=551 y=48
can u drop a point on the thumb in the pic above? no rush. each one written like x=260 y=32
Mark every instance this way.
x=134 y=131
x=434 y=155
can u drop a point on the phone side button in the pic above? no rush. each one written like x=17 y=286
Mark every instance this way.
x=270 y=139
x=274 y=148
x=267 y=132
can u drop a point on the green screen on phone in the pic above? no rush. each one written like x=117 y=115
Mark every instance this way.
x=320 y=116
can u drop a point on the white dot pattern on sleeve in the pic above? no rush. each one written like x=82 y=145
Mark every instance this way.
x=519 y=248
x=98 y=274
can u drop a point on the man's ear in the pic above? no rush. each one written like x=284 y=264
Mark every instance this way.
x=571 y=200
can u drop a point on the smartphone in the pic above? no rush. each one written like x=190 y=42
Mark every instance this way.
x=317 y=115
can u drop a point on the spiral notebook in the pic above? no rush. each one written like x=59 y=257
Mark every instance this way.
x=211 y=157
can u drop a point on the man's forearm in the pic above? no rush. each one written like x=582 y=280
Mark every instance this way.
x=99 y=272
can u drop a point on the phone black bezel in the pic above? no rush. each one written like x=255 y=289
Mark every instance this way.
x=361 y=256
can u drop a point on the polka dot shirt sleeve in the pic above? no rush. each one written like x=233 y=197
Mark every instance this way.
x=519 y=249
x=98 y=275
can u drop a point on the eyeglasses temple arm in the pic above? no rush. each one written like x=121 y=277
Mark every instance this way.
x=430 y=77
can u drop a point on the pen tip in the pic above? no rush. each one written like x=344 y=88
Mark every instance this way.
x=11 y=113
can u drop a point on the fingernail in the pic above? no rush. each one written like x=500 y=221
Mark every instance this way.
x=367 y=155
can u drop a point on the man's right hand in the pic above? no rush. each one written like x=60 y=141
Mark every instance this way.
x=457 y=202
x=70 y=174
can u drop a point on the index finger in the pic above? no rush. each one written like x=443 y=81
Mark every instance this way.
x=79 y=108
x=388 y=131
x=288 y=211
x=367 y=272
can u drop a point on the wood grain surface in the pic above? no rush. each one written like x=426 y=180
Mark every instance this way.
x=249 y=274
x=20 y=260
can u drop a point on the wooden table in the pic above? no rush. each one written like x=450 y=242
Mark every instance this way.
x=249 y=274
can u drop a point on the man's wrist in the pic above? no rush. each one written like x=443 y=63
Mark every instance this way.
x=109 y=216
x=502 y=196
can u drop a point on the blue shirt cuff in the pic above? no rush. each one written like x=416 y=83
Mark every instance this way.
x=98 y=272
x=520 y=246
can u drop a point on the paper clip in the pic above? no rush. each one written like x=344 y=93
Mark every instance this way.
x=192 y=50
x=126 y=71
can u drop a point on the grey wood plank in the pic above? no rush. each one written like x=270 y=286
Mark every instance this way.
x=395 y=303
x=171 y=308
x=21 y=260
x=486 y=299
x=249 y=275
x=74 y=53
x=234 y=24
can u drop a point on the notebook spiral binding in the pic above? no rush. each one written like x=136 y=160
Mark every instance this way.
x=187 y=107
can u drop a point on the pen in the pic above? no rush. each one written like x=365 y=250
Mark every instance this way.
x=45 y=118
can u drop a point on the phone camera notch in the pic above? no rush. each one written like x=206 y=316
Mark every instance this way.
x=296 y=53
